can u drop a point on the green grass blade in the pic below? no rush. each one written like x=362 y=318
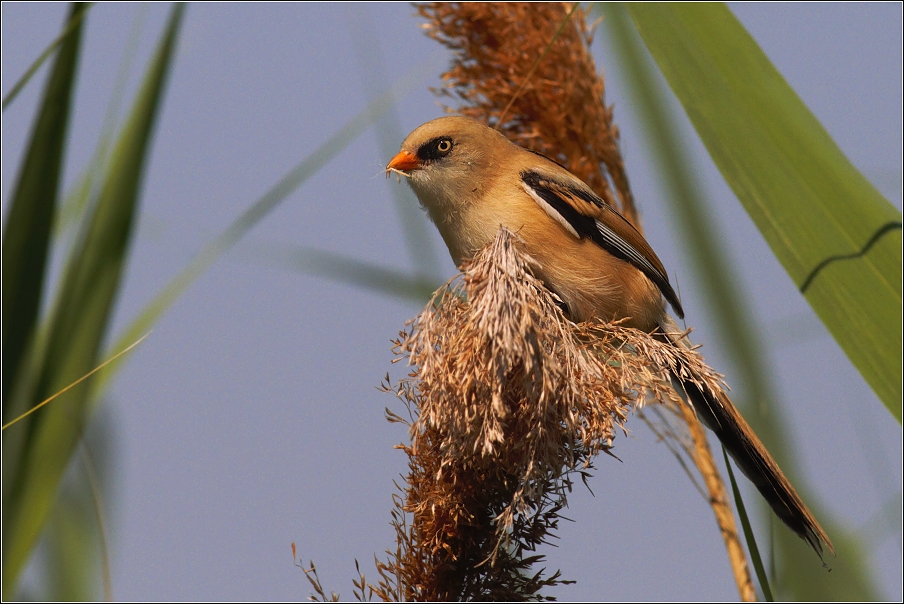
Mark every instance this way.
x=692 y=213
x=390 y=135
x=70 y=568
x=350 y=271
x=79 y=323
x=74 y=23
x=66 y=566
x=263 y=206
x=27 y=234
x=886 y=523
x=74 y=204
x=748 y=533
x=837 y=237
x=69 y=563
x=97 y=503
x=848 y=574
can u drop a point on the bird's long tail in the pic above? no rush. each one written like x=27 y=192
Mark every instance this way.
x=717 y=413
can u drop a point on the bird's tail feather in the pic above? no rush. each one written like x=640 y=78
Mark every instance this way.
x=717 y=413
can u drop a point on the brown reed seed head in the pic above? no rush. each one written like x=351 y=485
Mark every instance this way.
x=561 y=111
x=508 y=399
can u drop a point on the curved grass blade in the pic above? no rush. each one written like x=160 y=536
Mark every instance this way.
x=76 y=15
x=79 y=322
x=748 y=533
x=263 y=206
x=70 y=563
x=27 y=234
x=65 y=557
x=98 y=507
x=809 y=202
x=351 y=271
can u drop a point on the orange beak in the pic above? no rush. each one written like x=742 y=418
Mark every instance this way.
x=403 y=162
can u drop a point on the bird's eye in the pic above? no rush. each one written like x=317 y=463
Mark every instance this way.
x=435 y=149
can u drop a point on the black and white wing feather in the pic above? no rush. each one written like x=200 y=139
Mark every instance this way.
x=585 y=215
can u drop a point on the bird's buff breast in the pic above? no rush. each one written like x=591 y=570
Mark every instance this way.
x=591 y=282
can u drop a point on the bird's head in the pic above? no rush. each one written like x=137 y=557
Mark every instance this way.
x=447 y=159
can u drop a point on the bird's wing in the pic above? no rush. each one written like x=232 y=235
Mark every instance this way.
x=584 y=214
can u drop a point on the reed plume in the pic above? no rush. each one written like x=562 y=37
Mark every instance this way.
x=508 y=401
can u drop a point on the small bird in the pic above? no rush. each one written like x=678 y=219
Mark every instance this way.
x=472 y=180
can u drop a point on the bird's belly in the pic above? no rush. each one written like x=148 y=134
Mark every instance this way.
x=596 y=285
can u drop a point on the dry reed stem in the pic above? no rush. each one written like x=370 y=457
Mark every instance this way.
x=508 y=400
x=718 y=500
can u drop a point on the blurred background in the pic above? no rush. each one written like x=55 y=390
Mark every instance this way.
x=250 y=418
